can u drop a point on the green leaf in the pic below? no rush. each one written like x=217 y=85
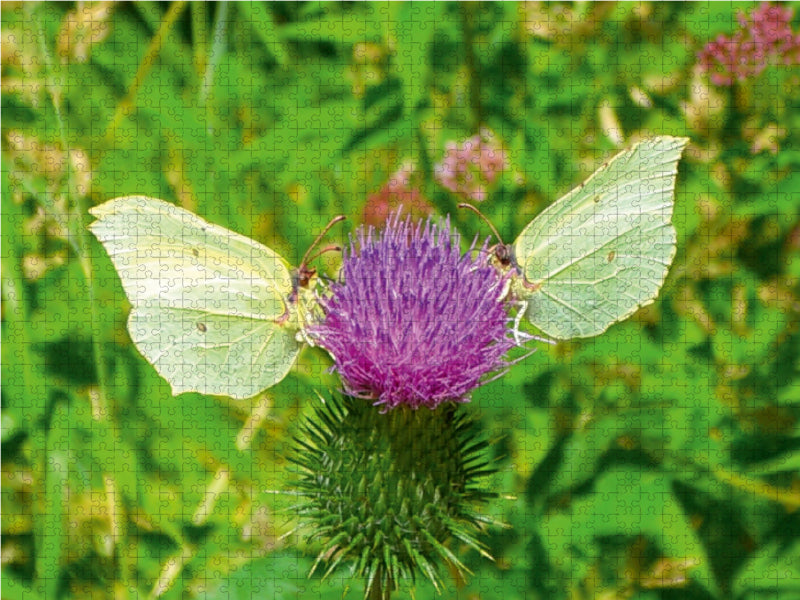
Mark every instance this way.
x=13 y=589
x=631 y=502
x=281 y=575
x=771 y=572
x=337 y=27
x=52 y=545
x=257 y=14
x=413 y=27
x=786 y=462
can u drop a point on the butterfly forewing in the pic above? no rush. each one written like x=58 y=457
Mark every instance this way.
x=210 y=306
x=212 y=353
x=167 y=254
x=602 y=251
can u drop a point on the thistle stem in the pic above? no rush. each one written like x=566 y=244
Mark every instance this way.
x=376 y=592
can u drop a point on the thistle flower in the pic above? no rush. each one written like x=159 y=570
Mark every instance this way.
x=468 y=169
x=765 y=37
x=415 y=322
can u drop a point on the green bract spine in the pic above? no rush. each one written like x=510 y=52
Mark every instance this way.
x=389 y=493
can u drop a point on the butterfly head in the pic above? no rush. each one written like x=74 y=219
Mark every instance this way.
x=302 y=277
x=302 y=300
x=504 y=255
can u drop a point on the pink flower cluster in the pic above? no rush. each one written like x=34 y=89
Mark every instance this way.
x=765 y=37
x=468 y=169
x=398 y=193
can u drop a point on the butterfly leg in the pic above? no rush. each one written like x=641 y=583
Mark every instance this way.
x=520 y=336
x=522 y=307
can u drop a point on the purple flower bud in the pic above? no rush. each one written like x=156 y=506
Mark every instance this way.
x=414 y=322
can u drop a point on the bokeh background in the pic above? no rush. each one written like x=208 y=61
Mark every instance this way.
x=658 y=460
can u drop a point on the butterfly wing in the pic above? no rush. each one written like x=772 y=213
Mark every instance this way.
x=602 y=251
x=209 y=305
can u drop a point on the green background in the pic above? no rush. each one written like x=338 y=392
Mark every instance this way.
x=658 y=460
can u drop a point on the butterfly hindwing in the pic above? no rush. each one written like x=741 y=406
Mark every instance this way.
x=596 y=255
x=209 y=306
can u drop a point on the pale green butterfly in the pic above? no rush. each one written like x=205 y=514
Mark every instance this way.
x=596 y=255
x=213 y=311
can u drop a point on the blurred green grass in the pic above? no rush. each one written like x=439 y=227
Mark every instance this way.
x=658 y=460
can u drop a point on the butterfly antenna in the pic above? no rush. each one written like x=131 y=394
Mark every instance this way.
x=328 y=248
x=485 y=220
x=334 y=221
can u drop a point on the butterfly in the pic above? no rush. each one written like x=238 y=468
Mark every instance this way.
x=213 y=311
x=598 y=254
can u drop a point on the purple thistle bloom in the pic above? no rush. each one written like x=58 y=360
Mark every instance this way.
x=415 y=323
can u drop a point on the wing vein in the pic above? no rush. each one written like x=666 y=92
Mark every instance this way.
x=581 y=257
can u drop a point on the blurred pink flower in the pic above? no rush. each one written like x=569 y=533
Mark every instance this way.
x=765 y=37
x=399 y=192
x=469 y=169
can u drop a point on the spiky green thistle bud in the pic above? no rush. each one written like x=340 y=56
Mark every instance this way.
x=388 y=493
